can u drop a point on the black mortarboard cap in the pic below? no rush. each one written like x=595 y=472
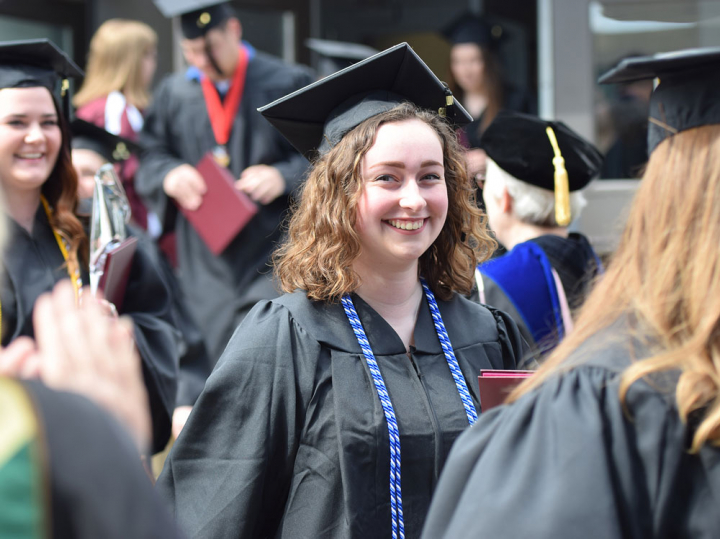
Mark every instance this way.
x=519 y=144
x=197 y=17
x=316 y=117
x=37 y=62
x=88 y=136
x=469 y=28
x=337 y=55
x=688 y=94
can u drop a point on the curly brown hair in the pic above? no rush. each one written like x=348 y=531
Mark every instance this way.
x=60 y=190
x=322 y=242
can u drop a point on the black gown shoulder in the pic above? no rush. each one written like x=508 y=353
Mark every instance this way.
x=93 y=481
x=567 y=461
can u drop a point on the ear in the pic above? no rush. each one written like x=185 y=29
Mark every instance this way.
x=506 y=201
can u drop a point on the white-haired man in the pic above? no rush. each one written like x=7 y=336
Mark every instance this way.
x=530 y=194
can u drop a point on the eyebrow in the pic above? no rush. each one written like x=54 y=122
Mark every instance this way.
x=399 y=164
x=20 y=115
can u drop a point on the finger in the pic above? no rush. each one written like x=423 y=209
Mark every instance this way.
x=32 y=366
x=15 y=356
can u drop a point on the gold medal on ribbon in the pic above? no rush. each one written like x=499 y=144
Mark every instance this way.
x=221 y=156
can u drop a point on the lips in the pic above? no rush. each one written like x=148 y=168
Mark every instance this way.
x=406 y=224
x=33 y=155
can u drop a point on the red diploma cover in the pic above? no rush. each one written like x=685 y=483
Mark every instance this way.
x=224 y=210
x=116 y=272
x=496 y=385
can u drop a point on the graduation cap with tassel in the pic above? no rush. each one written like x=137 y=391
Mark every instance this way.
x=543 y=153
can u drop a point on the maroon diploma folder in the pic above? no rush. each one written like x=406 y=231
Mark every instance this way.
x=496 y=385
x=116 y=272
x=224 y=210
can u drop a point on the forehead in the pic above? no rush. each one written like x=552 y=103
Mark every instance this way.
x=463 y=51
x=408 y=139
x=34 y=100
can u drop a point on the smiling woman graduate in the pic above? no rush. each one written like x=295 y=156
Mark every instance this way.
x=46 y=241
x=334 y=406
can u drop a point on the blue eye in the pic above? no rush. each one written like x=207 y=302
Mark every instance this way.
x=432 y=177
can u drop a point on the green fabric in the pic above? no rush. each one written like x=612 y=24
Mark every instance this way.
x=21 y=497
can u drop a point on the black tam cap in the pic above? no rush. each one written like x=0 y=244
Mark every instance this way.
x=88 y=136
x=688 y=94
x=520 y=145
x=37 y=62
x=316 y=117
x=197 y=17
x=469 y=28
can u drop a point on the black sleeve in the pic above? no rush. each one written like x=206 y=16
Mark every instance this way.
x=516 y=351
x=147 y=303
x=98 y=486
x=229 y=472
x=158 y=155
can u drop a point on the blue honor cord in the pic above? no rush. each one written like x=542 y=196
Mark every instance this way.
x=398 y=526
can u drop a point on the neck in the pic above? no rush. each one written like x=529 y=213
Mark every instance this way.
x=521 y=232
x=394 y=295
x=22 y=206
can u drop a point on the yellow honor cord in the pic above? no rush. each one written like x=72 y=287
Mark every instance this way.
x=562 y=184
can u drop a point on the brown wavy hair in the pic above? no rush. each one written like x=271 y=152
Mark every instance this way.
x=322 y=242
x=115 y=62
x=60 y=190
x=666 y=276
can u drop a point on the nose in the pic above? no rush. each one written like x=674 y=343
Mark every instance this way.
x=34 y=134
x=411 y=198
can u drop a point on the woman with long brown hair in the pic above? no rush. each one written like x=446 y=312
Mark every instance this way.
x=333 y=407
x=47 y=242
x=617 y=434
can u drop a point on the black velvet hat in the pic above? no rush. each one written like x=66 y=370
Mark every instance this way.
x=469 y=28
x=316 y=117
x=197 y=17
x=688 y=93
x=37 y=62
x=520 y=145
x=88 y=136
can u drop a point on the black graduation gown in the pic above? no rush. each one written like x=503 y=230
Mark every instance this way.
x=565 y=461
x=177 y=130
x=33 y=264
x=194 y=362
x=575 y=262
x=289 y=439
x=95 y=481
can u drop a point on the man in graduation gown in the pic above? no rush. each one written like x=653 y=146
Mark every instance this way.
x=192 y=114
x=547 y=270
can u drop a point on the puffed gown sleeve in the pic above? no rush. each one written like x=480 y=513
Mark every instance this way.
x=565 y=461
x=229 y=472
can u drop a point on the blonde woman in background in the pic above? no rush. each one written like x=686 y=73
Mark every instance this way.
x=116 y=90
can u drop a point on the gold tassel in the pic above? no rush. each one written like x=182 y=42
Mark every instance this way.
x=562 y=185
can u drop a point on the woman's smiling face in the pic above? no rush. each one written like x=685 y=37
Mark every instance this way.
x=404 y=200
x=30 y=137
